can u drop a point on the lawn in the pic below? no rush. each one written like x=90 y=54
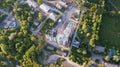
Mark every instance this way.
x=116 y=3
x=110 y=31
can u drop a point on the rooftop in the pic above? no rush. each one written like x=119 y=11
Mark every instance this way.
x=45 y=7
x=32 y=3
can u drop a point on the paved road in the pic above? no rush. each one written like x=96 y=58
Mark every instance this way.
x=41 y=25
x=54 y=9
x=75 y=34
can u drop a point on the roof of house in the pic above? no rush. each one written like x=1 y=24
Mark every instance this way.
x=76 y=44
x=99 y=48
x=45 y=7
x=64 y=36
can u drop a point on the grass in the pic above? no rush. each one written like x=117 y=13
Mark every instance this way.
x=116 y=3
x=110 y=31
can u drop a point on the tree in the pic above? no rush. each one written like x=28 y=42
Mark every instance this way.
x=12 y=35
x=97 y=61
x=116 y=58
x=39 y=2
x=91 y=42
x=84 y=52
x=4 y=48
x=40 y=17
x=107 y=58
x=88 y=35
x=32 y=37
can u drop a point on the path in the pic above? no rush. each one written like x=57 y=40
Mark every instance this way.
x=75 y=33
x=41 y=25
x=113 y=5
x=69 y=61
x=4 y=12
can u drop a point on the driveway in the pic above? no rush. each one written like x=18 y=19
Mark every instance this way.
x=94 y=57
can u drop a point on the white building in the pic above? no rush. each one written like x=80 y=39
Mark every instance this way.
x=45 y=7
x=63 y=38
x=58 y=6
x=32 y=3
x=53 y=16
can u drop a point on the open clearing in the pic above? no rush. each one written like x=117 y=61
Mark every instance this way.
x=110 y=31
x=116 y=3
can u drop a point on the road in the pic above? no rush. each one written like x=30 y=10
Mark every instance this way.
x=4 y=12
x=54 y=9
x=75 y=34
x=69 y=61
x=41 y=25
x=57 y=45
x=113 y=5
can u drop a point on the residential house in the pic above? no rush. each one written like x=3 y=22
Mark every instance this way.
x=76 y=44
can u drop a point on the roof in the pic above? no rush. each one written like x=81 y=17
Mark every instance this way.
x=64 y=36
x=99 y=48
x=58 y=6
x=45 y=7
x=76 y=44
x=32 y=3
x=53 y=16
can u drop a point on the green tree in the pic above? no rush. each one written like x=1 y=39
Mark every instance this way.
x=107 y=58
x=91 y=42
x=116 y=58
x=39 y=2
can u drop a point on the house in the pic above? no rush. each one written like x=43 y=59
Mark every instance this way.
x=53 y=16
x=10 y=22
x=45 y=7
x=76 y=44
x=58 y=6
x=36 y=23
x=99 y=49
x=32 y=3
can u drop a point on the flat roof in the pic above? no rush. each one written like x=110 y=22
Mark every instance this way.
x=45 y=7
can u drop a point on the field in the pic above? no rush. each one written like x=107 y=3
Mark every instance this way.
x=116 y=3
x=110 y=31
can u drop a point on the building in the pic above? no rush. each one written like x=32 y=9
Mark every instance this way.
x=45 y=7
x=10 y=22
x=76 y=44
x=63 y=37
x=32 y=3
x=36 y=23
x=99 y=49
x=58 y=6
x=53 y=16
